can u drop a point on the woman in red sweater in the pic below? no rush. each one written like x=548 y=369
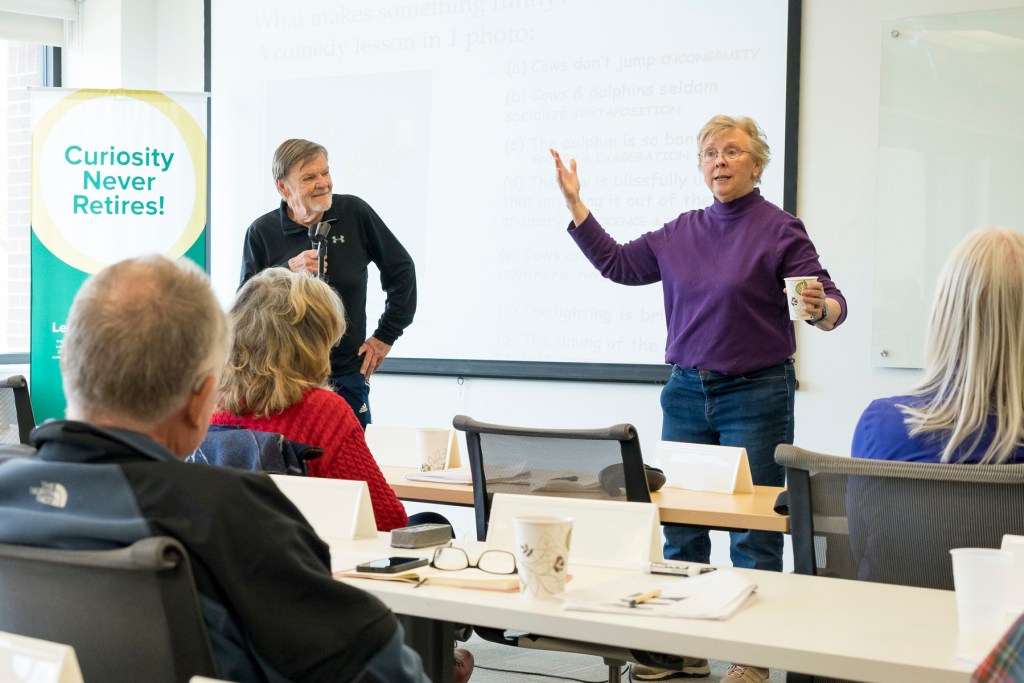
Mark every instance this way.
x=285 y=324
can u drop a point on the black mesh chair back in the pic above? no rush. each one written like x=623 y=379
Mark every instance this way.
x=132 y=614
x=16 y=418
x=577 y=463
x=895 y=522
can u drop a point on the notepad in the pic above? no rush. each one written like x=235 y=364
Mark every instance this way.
x=463 y=475
x=463 y=578
x=717 y=595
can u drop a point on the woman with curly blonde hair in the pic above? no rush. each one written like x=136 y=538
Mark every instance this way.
x=284 y=325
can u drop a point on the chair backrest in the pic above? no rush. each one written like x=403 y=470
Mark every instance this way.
x=252 y=450
x=604 y=464
x=16 y=418
x=131 y=614
x=895 y=522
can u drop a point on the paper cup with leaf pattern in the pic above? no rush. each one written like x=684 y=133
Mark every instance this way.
x=432 y=447
x=794 y=290
x=542 y=554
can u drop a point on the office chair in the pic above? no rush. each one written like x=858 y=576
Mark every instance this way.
x=131 y=614
x=253 y=450
x=16 y=419
x=895 y=522
x=603 y=464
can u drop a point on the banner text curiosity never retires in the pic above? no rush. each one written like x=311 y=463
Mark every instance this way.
x=97 y=180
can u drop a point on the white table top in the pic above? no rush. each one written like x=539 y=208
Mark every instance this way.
x=831 y=627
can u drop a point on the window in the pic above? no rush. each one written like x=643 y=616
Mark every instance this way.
x=24 y=65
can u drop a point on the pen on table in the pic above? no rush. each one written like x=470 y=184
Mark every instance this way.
x=644 y=597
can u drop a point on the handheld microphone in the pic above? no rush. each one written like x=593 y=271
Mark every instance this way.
x=318 y=232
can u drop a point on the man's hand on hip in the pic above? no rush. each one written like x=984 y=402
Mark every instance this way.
x=373 y=351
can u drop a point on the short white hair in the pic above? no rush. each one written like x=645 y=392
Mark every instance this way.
x=142 y=334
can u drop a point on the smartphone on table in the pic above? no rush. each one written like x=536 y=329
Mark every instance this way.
x=391 y=565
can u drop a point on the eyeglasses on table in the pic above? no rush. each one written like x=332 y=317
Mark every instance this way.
x=450 y=558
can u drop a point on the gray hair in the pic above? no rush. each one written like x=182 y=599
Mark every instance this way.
x=142 y=334
x=759 y=150
x=974 y=363
x=294 y=151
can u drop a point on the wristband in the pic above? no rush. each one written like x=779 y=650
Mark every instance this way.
x=824 y=314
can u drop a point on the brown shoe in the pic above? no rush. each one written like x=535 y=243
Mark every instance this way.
x=463 y=665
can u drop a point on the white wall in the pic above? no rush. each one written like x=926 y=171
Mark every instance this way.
x=143 y=44
x=837 y=199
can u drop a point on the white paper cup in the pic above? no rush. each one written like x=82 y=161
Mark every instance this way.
x=542 y=554
x=432 y=448
x=794 y=288
x=1015 y=589
x=980 y=576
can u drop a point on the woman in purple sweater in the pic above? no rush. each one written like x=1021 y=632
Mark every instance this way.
x=730 y=340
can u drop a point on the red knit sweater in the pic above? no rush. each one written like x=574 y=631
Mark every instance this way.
x=324 y=419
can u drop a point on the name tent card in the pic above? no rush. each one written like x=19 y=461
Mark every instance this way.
x=605 y=533
x=701 y=467
x=335 y=508
x=37 y=661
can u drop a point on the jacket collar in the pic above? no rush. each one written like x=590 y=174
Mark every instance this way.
x=73 y=441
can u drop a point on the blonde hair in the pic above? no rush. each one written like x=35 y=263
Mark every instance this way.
x=142 y=334
x=285 y=325
x=974 y=363
x=759 y=150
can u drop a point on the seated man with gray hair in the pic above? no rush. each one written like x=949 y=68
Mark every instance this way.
x=145 y=344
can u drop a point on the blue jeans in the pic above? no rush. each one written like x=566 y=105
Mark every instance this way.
x=754 y=411
x=354 y=388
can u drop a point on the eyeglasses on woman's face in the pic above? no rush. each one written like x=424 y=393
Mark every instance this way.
x=450 y=558
x=729 y=154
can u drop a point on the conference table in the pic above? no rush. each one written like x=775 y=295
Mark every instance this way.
x=675 y=506
x=863 y=631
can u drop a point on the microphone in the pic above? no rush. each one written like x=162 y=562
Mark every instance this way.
x=318 y=232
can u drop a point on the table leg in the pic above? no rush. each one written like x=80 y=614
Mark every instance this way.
x=434 y=640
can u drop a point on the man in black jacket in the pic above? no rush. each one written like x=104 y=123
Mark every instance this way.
x=145 y=343
x=357 y=237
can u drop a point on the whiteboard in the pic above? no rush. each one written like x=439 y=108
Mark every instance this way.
x=440 y=114
x=951 y=140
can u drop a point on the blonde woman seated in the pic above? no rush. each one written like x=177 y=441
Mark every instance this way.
x=285 y=324
x=969 y=406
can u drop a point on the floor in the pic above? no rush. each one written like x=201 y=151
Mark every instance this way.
x=502 y=664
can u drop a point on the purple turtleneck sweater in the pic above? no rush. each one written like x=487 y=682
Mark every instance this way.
x=722 y=271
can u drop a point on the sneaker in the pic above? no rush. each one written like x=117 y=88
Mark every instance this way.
x=463 y=665
x=747 y=674
x=688 y=668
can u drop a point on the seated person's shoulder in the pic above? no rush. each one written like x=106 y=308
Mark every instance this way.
x=882 y=433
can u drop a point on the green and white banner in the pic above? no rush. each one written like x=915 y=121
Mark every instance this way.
x=115 y=174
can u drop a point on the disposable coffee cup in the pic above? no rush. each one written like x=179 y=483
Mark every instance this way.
x=794 y=289
x=980 y=577
x=432 y=448
x=1014 y=545
x=542 y=554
